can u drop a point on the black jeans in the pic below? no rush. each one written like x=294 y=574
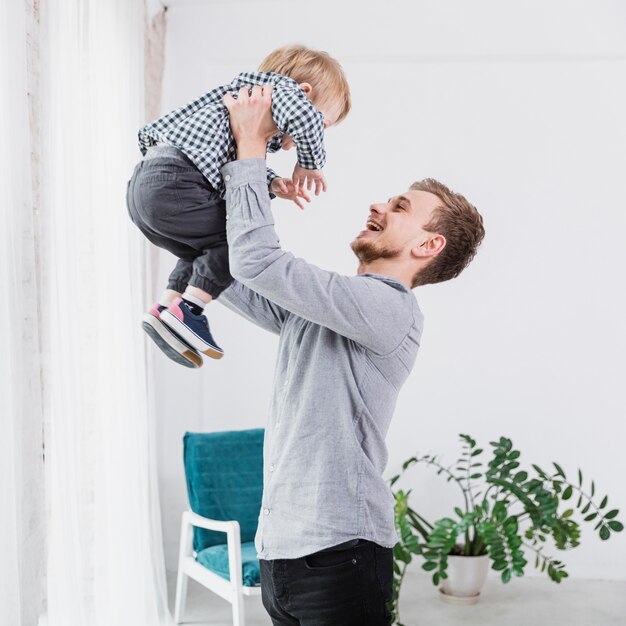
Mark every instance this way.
x=177 y=209
x=346 y=587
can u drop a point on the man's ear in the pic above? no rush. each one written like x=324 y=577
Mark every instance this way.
x=430 y=247
x=306 y=87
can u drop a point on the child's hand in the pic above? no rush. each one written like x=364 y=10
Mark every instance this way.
x=285 y=189
x=302 y=176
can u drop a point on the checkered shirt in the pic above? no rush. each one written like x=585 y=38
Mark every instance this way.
x=201 y=129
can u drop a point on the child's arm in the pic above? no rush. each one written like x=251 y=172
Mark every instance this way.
x=284 y=188
x=295 y=115
x=271 y=175
x=302 y=177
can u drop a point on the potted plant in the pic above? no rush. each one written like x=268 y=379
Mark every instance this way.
x=505 y=509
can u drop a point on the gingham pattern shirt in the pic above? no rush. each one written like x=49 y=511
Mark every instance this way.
x=201 y=129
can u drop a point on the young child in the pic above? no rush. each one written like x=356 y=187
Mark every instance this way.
x=176 y=193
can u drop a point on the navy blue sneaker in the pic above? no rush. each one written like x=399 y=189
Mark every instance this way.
x=194 y=329
x=168 y=341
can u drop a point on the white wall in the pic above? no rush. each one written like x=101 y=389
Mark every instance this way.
x=521 y=108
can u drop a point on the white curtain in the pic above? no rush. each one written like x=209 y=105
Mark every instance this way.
x=22 y=511
x=105 y=551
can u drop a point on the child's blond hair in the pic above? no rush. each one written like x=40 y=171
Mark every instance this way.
x=315 y=67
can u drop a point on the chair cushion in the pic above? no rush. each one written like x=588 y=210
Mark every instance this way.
x=215 y=558
x=224 y=474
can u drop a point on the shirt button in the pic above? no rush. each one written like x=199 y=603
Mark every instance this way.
x=266 y=511
x=227 y=177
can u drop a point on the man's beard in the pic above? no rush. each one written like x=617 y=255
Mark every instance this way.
x=367 y=251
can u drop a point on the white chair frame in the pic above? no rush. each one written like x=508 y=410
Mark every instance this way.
x=232 y=590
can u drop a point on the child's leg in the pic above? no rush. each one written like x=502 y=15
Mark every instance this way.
x=198 y=294
x=211 y=272
x=196 y=298
x=168 y=296
x=168 y=342
x=210 y=277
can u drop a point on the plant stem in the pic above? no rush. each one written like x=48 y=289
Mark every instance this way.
x=418 y=526
x=399 y=587
x=468 y=479
x=468 y=545
x=432 y=461
x=420 y=518
x=478 y=544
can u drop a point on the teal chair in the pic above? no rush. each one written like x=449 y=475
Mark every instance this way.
x=224 y=475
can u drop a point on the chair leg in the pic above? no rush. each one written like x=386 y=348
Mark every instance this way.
x=186 y=547
x=239 y=618
x=181 y=596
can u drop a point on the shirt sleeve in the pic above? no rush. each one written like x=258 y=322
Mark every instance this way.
x=295 y=115
x=254 y=307
x=271 y=175
x=374 y=313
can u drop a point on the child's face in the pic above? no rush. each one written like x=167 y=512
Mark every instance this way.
x=329 y=110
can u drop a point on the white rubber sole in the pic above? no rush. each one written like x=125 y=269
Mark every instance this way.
x=169 y=344
x=170 y=320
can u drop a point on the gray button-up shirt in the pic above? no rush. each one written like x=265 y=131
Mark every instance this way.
x=347 y=344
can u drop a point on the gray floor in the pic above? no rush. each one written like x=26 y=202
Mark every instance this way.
x=523 y=602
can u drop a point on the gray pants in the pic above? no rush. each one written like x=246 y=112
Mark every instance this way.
x=177 y=209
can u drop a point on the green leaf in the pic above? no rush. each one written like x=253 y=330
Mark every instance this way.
x=477 y=451
x=604 y=502
x=539 y=470
x=429 y=566
x=408 y=538
x=605 y=533
x=559 y=469
x=477 y=475
x=520 y=477
x=401 y=554
x=611 y=514
x=567 y=494
x=616 y=526
x=593 y=488
x=409 y=462
x=506 y=575
x=590 y=517
x=568 y=513
x=580 y=478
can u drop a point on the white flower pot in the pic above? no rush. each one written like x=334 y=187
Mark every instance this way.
x=466 y=577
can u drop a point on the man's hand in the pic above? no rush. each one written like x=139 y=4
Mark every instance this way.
x=301 y=177
x=251 y=120
x=285 y=189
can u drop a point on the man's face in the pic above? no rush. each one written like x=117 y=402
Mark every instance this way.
x=395 y=227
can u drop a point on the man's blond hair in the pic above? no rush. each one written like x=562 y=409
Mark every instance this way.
x=315 y=67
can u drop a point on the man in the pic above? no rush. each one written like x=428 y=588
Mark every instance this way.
x=347 y=344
